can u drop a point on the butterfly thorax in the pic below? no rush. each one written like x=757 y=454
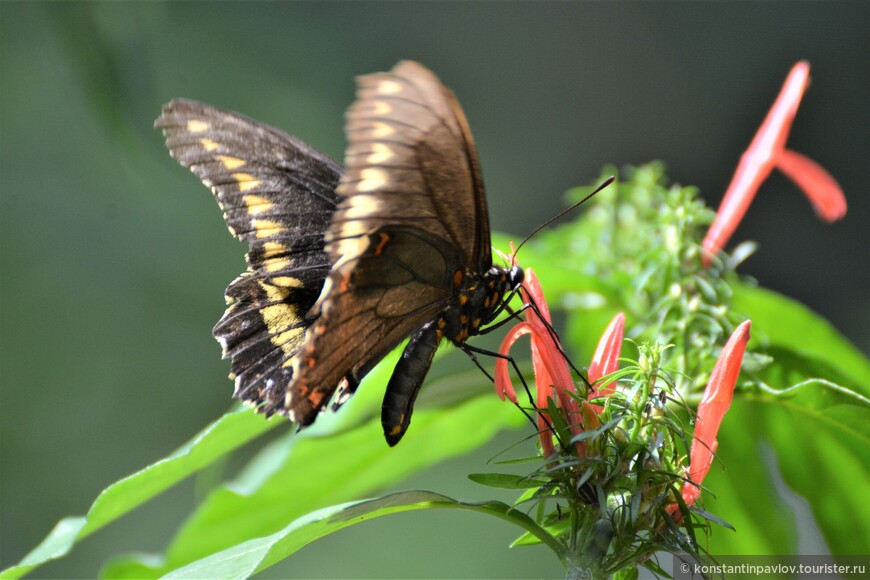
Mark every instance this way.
x=478 y=301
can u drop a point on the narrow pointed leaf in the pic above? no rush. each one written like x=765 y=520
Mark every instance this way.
x=250 y=557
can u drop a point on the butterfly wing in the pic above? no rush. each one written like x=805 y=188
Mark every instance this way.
x=411 y=159
x=412 y=215
x=278 y=195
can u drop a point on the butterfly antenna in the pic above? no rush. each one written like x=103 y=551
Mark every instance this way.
x=607 y=182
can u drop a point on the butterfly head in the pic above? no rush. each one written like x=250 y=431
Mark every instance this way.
x=515 y=276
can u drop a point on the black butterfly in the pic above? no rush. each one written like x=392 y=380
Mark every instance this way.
x=344 y=264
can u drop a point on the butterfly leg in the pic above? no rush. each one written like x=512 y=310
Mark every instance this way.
x=551 y=331
x=513 y=314
x=472 y=351
x=346 y=388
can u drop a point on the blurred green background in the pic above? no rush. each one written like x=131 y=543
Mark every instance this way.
x=113 y=259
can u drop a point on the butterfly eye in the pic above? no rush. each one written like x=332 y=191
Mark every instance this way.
x=516 y=276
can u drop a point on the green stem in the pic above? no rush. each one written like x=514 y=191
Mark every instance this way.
x=578 y=569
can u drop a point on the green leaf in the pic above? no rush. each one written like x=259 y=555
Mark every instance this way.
x=627 y=573
x=787 y=323
x=821 y=454
x=250 y=557
x=227 y=433
x=821 y=458
x=560 y=528
x=308 y=473
x=741 y=489
x=814 y=413
x=56 y=545
x=505 y=480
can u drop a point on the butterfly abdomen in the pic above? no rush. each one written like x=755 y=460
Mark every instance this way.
x=477 y=301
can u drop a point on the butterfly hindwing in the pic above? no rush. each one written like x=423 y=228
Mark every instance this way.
x=278 y=195
x=374 y=301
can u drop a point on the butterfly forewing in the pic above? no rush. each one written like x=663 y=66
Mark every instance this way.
x=409 y=158
x=409 y=219
x=278 y=195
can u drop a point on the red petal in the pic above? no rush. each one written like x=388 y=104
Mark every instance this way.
x=552 y=372
x=690 y=491
x=822 y=189
x=715 y=403
x=773 y=133
x=749 y=175
x=503 y=385
x=550 y=350
x=533 y=286
x=543 y=391
x=756 y=163
x=606 y=358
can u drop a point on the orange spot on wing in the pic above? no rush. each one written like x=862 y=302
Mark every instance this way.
x=315 y=398
x=383 y=242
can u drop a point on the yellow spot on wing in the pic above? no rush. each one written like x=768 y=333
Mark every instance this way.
x=246 y=181
x=360 y=206
x=274 y=293
x=279 y=317
x=371 y=179
x=276 y=265
x=208 y=144
x=195 y=126
x=271 y=249
x=287 y=282
x=348 y=248
x=289 y=341
x=381 y=130
x=380 y=108
x=381 y=152
x=231 y=162
x=267 y=228
x=257 y=205
x=282 y=320
x=388 y=87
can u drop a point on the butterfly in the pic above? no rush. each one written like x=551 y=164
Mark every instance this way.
x=344 y=263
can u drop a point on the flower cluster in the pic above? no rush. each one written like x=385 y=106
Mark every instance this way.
x=620 y=464
x=556 y=393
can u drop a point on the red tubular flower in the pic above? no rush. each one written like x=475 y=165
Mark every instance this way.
x=711 y=410
x=767 y=151
x=552 y=374
x=606 y=359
